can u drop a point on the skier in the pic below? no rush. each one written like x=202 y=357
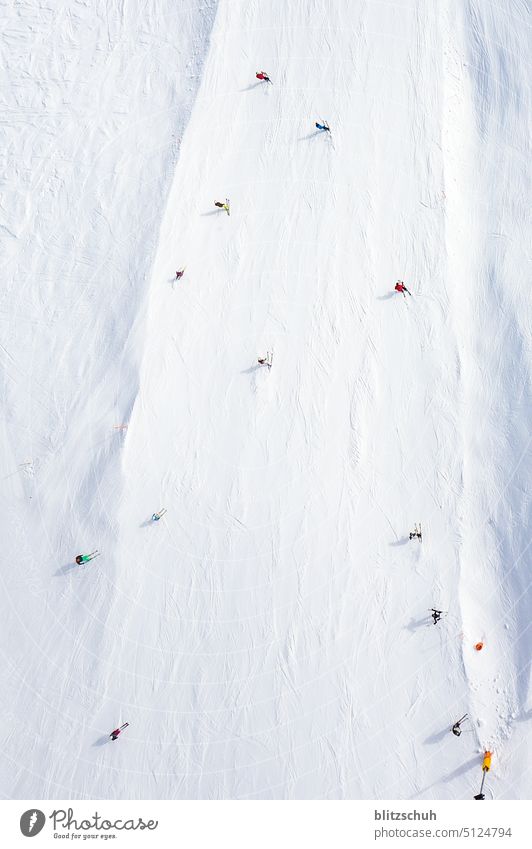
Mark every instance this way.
x=267 y=360
x=400 y=287
x=416 y=533
x=179 y=274
x=156 y=516
x=221 y=205
x=323 y=126
x=84 y=558
x=116 y=733
x=436 y=614
x=456 y=727
x=262 y=75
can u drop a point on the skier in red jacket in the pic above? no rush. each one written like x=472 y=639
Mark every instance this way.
x=262 y=75
x=400 y=287
x=114 y=734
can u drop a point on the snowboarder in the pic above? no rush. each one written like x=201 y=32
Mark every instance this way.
x=416 y=533
x=84 y=558
x=400 y=287
x=436 y=615
x=116 y=733
x=262 y=75
x=156 y=516
x=267 y=360
x=179 y=274
x=323 y=126
x=456 y=727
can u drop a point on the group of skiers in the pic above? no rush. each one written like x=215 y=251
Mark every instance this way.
x=435 y=614
x=267 y=361
x=86 y=558
x=436 y=617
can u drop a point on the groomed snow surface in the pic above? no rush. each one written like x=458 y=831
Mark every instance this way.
x=270 y=636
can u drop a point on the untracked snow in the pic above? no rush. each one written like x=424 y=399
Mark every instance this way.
x=270 y=635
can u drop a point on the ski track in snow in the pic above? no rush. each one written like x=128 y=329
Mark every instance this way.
x=270 y=637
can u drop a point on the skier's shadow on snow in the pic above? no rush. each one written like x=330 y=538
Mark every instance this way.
x=415 y=624
x=251 y=369
x=311 y=136
x=386 y=297
x=213 y=212
x=452 y=775
x=251 y=87
x=436 y=738
x=146 y=524
x=102 y=741
x=66 y=569
x=402 y=541
x=461 y=769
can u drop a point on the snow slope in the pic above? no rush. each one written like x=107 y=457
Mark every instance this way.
x=269 y=637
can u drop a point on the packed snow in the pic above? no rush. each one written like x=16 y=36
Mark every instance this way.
x=270 y=636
